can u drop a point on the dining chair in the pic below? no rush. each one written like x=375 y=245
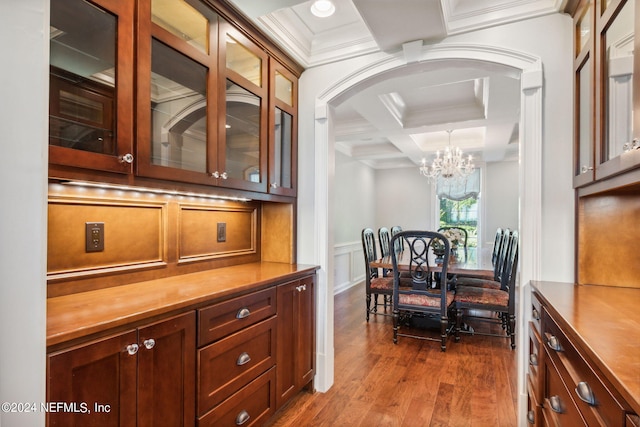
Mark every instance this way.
x=492 y=305
x=497 y=245
x=374 y=284
x=384 y=237
x=399 y=246
x=419 y=300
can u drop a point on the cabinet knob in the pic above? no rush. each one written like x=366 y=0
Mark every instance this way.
x=274 y=185
x=126 y=158
x=132 y=349
x=243 y=359
x=243 y=313
x=242 y=417
x=215 y=174
x=585 y=169
x=556 y=404
x=149 y=343
x=301 y=288
x=633 y=145
x=533 y=360
x=535 y=314
x=585 y=393
x=531 y=417
x=224 y=175
x=553 y=343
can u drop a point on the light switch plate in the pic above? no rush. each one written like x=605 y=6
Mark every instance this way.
x=222 y=232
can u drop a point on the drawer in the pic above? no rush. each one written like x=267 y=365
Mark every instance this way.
x=536 y=354
x=226 y=366
x=227 y=317
x=559 y=408
x=593 y=398
x=251 y=406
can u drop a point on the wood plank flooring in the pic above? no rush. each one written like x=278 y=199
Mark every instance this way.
x=412 y=383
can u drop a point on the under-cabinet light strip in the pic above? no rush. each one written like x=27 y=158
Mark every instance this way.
x=153 y=190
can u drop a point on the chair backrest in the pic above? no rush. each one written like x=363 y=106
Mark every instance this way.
x=510 y=266
x=384 y=237
x=370 y=254
x=497 y=245
x=457 y=231
x=421 y=265
x=502 y=254
x=399 y=246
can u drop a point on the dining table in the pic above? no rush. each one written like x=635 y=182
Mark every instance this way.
x=470 y=268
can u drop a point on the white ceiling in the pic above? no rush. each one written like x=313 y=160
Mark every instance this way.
x=401 y=120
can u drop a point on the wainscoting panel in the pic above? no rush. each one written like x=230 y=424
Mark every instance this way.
x=201 y=228
x=134 y=235
x=348 y=261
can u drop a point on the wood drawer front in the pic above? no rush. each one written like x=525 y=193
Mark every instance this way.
x=231 y=363
x=256 y=400
x=536 y=354
x=222 y=319
x=576 y=372
x=556 y=395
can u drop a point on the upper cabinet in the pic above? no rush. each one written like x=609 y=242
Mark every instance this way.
x=213 y=105
x=91 y=76
x=605 y=92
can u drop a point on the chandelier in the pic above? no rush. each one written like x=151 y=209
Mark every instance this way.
x=452 y=164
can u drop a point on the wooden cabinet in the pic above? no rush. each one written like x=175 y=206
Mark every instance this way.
x=606 y=93
x=536 y=361
x=91 y=78
x=569 y=387
x=143 y=377
x=296 y=338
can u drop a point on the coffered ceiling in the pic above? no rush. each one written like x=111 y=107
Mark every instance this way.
x=399 y=121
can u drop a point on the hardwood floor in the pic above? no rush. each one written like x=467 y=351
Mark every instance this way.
x=412 y=383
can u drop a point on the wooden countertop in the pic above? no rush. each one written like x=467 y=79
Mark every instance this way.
x=607 y=322
x=78 y=315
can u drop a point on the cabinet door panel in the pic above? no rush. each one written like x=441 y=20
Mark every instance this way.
x=166 y=372
x=99 y=373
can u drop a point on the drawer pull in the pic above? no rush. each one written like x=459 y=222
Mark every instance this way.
x=243 y=313
x=132 y=349
x=243 y=359
x=556 y=404
x=531 y=417
x=535 y=314
x=553 y=343
x=242 y=417
x=585 y=393
x=301 y=288
x=533 y=360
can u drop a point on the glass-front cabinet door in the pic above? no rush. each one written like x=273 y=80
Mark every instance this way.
x=617 y=151
x=283 y=127
x=583 y=92
x=242 y=112
x=177 y=87
x=91 y=72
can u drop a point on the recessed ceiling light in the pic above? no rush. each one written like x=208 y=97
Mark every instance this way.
x=322 y=8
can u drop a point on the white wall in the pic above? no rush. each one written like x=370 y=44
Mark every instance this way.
x=324 y=87
x=24 y=45
x=499 y=199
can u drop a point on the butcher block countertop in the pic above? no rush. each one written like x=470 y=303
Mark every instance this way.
x=605 y=321
x=83 y=314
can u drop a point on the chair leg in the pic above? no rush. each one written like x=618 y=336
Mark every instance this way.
x=444 y=324
x=512 y=330
x=396 y=325
x=368 y=306
x=458 y=323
